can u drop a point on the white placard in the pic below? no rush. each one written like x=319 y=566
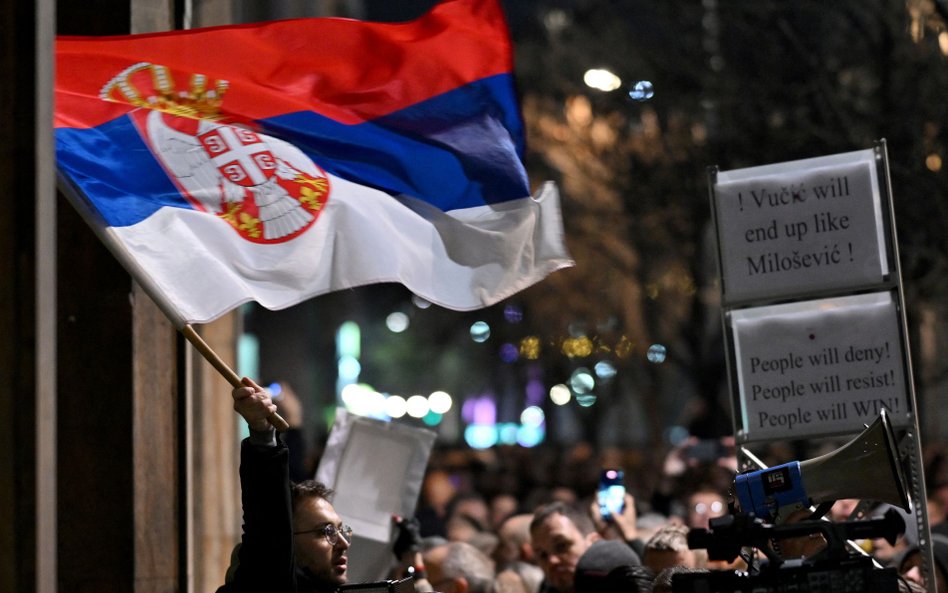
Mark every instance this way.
x=376 y=469
x=799 y=226
x=816 y=368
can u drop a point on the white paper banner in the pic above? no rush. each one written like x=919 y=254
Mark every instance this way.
x=800 y=226
x=376 y=469
x=819 y=367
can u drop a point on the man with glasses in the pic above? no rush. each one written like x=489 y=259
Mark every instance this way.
x=293 y=539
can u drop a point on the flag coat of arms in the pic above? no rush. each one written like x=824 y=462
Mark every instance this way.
x=278 y=161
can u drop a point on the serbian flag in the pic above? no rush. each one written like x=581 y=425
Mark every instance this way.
x=278 y=161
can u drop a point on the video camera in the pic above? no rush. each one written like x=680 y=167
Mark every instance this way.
x=833 y=569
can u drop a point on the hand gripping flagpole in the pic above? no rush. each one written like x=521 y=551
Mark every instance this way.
x=144 y=280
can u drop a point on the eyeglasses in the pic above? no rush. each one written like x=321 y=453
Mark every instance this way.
x=331 y=532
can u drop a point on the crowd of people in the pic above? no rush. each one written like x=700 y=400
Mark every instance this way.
x=507 y=520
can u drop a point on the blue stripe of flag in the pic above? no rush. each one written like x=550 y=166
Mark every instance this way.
x=457 y=150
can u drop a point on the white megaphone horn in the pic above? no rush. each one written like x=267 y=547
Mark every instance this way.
x=866 y=468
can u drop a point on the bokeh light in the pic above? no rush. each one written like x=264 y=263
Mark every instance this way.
x=602 y=79
x=509 y=353
x=396 y=322
x=480 y=436
x=395 y=406
x=513 y=313
x=530 y=436
x=532 y=416
x=480 y=331
x=417 y=406
x=642 y=90
x=439 y=402
x=577 y=347
x=560 y=394
x=586 y=400
x=420 y=302
x=530 y=347
x=656 y=353
x=933 y=162
x=582 y=381
x=605 y=370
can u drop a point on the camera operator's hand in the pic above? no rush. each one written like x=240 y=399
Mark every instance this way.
x=621 y=526
x=253 y=403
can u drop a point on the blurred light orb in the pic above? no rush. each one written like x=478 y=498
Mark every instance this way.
x=586 y=400
x=348 y=368
x=643 y=90
x=395 y=406
x=577 y=347
x=656 y=353
x=275 y=390
x=432 y=419
x=439 y=402
x=623 y=347
x=530 y=347
x=530 y=436
x=605 y=370
x=933 y=162
x=480 y=436
x=420 y=302
x=513 y=313
x=509 y=353
x=582 y=381
x=507 y=433
x=602 y=80
x=417 y=406
x=560 y=394
x=480 y=331
x=532 y=416
x=396 y=322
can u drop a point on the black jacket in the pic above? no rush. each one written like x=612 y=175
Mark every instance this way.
x=265 y=558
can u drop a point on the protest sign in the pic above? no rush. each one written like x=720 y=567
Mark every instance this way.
x=822 y=367
x=376 y=469
x=799 y=226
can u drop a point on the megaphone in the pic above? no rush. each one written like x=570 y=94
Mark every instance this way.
x=866 y=467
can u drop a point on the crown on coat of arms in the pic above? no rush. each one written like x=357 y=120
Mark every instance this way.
x=157 y=91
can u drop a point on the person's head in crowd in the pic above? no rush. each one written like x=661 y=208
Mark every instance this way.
x=486 y=542
x=514 y=540
x=703 y=504
x=502 y=506
x=669 y=547
x=459 y=567
x=437 y=490
x=519 y=576
x=560 y=536
x=610 y=566
x=663 y=580
x=320 y=539
x=462 y=528
x=467 y=513
x=909 y=563
x=647 y=524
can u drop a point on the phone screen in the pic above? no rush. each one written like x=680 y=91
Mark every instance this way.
x=611 y=494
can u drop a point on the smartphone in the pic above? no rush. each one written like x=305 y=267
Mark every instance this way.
x=611 y=493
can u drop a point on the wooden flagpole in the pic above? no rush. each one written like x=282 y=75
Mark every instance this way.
x=198 y=342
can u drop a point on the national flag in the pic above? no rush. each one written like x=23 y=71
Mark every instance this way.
x=278 y=161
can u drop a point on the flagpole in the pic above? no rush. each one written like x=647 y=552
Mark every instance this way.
x=198 y=342
x=144 y=280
